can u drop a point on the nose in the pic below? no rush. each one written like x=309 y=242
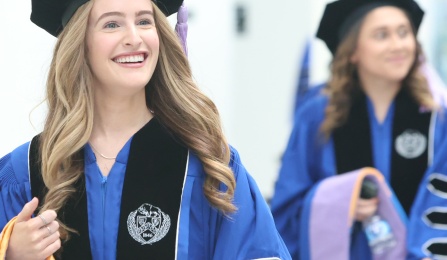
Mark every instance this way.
x=398 y=42
x=132 y=37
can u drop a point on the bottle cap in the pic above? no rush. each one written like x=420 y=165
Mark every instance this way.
x=369 y=189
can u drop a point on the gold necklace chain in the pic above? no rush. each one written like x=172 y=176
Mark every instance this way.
x=102 y=155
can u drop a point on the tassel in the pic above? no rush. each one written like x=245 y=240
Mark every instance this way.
x=182 y=26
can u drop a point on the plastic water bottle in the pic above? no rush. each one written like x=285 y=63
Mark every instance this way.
x=379 y=234
x=378 y=231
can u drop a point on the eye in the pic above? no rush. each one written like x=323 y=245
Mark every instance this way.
x=380 y=35
x=111 y=25
x=403 y=32
x=145 y=22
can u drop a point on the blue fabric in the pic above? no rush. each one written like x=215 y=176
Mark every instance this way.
x=15 y=190
x=309 y=158
x=304 y=77
x=300 y=171
x=309 y=94
x=204 y=233
x=420 y=232
x=381 y=136
x=104 y=201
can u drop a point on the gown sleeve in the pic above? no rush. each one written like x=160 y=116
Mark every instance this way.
x=250 y=233
x=15 y=189
x=427 y=231
x=300 y=167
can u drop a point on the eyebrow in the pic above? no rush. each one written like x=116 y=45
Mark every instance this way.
x=140 y=13
x=385 y=27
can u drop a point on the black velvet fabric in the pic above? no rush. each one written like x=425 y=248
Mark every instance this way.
x=353 y=148
x=154 y=181
x=73 y=214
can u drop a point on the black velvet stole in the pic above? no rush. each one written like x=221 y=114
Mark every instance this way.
x=150 y=202
x=73 y=214
x=353 y=145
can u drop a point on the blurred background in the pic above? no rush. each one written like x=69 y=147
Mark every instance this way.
x=245 y=54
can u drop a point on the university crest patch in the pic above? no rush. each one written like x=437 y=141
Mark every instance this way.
x=148 y=224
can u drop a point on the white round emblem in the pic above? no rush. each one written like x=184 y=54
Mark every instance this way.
x=410 y=144
x=148 y=224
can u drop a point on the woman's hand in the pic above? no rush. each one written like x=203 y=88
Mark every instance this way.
x=366 y=208
x=34 y=238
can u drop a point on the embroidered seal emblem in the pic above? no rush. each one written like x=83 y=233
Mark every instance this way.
x=410 y=144
x=148 y=224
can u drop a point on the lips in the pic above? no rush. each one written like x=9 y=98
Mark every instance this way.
x=134 y=58
x=398 y=58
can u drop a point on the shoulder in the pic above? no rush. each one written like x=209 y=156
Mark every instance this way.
x=14 y=166
x=307 y=122
x=439 y=123
x=312 y=110
x=195 y=166
x=236 y=165
x=235 y=159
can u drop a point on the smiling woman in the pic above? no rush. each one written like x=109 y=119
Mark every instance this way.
x=121 y=46
x=375 y=111
x=132 y=162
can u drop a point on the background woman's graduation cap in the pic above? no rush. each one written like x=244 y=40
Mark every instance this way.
x=53 y=15
x=340 y=15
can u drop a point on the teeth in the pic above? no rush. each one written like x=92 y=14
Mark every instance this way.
x=129 y=59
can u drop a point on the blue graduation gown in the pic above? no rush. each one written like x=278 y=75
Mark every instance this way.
x=307 y=160
x=424 y=232
x=203 y=233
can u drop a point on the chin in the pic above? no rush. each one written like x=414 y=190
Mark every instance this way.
x=398 y=75
x=396 y=78
x=137 y=84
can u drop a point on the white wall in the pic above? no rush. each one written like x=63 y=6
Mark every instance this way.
x=266 y=71
x=25 y=52
x=251 y=77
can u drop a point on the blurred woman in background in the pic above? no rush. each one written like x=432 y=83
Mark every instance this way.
x=376 y=111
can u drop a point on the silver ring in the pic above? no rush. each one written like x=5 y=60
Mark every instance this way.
x=49 y=230
x=43 y=220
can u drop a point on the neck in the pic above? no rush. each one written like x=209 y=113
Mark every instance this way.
x=116 y=119
x=381 y=93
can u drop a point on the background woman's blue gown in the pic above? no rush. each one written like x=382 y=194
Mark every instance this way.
x=431 y=199
x=308 y=159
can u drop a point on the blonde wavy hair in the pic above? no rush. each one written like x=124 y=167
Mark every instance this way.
x=344 y=86
x=171 y=93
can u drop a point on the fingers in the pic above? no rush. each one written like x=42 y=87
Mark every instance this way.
x=364 y=213
x=49 y=229
x=47 y=246
x=44 y=219
x=36 y=237
x=28 y=210
x=52 y=247
x=50 y=240
x=367 y=202
x=366 y=208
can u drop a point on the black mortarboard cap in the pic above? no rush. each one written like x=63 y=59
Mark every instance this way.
x=340 y=15
x=53 y=15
